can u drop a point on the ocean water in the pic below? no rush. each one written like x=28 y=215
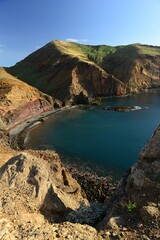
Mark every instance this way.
x=106 y=140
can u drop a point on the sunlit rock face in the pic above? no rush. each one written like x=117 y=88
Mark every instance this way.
x=138 y=73
x=19 y=101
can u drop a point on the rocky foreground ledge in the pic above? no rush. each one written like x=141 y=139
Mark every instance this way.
x=41 y=200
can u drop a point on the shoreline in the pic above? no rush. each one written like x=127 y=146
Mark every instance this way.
x=36 y=120
x=95 y=186
x=17 y=134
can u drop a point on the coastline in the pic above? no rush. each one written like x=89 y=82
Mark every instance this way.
x=18 y=133
x=115 y=199
x=95 y=186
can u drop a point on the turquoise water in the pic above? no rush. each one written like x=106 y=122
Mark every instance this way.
x=108 y=140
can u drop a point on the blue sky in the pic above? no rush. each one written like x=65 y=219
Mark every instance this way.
x=26 y=25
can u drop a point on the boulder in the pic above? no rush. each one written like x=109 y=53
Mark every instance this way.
x=149 y=213
x=39 y=181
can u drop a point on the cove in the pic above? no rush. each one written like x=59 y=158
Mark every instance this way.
x=107 y=140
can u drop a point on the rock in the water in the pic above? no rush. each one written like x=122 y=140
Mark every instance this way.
x=122 y=108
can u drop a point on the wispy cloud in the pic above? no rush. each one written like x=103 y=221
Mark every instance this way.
x=76 y=40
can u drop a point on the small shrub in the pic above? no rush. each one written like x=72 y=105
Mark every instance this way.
x=131 y=206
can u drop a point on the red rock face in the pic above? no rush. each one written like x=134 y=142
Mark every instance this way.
x=145 y=74
x=93 y=82
x=28 y=110
x=19 y=101
x=137 y=75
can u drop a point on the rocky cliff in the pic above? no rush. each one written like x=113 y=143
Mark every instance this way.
x=37 y=191
x=138 y=66
x=134 y=209
x=78 y=73
x=19 y=101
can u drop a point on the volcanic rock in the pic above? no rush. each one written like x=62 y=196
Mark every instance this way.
x=19 y=101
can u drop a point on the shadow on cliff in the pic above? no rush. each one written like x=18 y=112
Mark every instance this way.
x=122 y=62
x=52 y=208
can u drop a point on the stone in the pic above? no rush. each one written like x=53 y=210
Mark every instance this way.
x=115 y=222
x=32 y=176
x=149 y=213
x=137 y=178
x=122 y=108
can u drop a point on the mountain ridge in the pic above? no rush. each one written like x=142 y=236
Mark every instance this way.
x=77 y=73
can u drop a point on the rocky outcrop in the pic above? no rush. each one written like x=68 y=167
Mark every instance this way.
x=134 y=210
x=122 y=108
x=19 y=101
x=41 y=177
x=37 y=193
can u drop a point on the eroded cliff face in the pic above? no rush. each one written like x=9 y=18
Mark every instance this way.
x=145 y=74
x=19 y=101
x=139 y=69
x=91 y=81
x=37 y=193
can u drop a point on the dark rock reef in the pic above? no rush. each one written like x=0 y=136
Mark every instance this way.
x=122 y=108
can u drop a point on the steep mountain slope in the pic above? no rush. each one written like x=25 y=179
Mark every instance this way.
x=67 y=71
x=19 y=101
x=76 y=72
x=138 y=66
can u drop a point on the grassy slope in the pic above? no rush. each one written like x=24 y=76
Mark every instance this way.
x=86 y=53
x=50 y=61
